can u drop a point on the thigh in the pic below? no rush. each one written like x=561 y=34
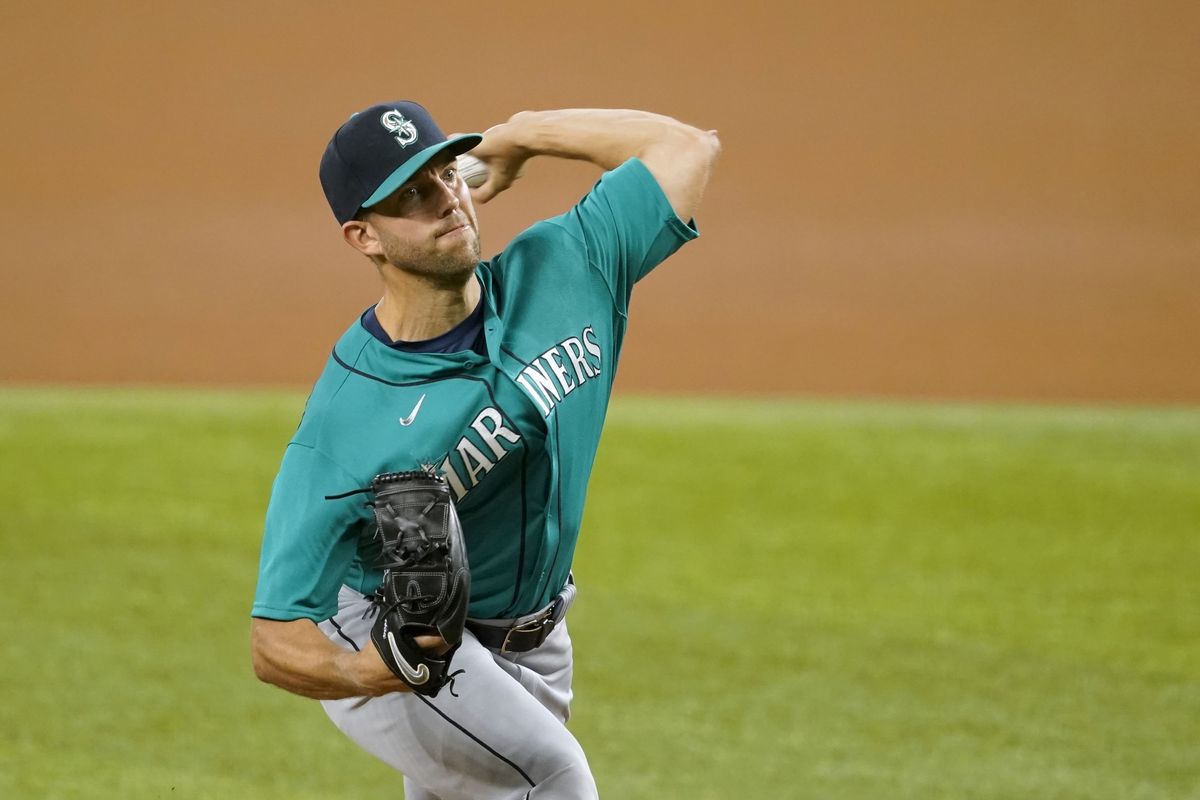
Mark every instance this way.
x=493 y=740
x=545 y=672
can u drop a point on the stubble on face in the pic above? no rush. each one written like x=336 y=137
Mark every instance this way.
x=437 y=263
x=414 y=226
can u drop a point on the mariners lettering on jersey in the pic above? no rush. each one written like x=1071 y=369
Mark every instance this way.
x=557 y=372
x=478 y=452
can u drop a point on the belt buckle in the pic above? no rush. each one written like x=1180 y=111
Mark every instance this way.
x=541 y=625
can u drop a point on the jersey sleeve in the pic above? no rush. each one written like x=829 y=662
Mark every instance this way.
x=627 y=227
x=309 y=542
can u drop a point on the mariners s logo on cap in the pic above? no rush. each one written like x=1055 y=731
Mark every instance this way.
x=394 y=121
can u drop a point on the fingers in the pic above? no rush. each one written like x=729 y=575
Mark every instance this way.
x=500 y=177
x=503 y=173
x=435 y=643
x=484 y=193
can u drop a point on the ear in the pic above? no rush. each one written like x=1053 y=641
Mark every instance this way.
x=360 y=235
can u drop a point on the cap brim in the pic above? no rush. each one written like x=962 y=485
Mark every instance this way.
x=458 y=145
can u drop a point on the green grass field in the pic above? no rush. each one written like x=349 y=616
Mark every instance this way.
x=778 y=600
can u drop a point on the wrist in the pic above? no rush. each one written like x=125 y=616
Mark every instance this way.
x=349 y=668
x=520 y=135
x=366 y=674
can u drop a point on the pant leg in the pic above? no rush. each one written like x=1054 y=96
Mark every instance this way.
x=496 y=739
x=414 y=792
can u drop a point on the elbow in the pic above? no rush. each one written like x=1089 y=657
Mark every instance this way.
x=260 y=660
x=713 y=143
x=710 y=150
x=701 y=146
x=262 y=667
x=681 y=158
x=690 y=155
x=708 y=141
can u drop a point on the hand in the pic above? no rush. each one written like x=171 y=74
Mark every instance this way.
x=505 y=160
x=369 y=672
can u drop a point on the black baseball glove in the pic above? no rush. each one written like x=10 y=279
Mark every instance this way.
x=426 y=583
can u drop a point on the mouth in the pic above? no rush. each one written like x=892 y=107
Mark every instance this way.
x=458 y=229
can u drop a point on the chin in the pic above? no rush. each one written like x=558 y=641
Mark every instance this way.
x=452 y=270
x=470 y=249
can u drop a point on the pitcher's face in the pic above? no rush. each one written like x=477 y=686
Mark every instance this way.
x=428 y=225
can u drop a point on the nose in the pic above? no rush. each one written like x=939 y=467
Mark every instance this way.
x=448 y=201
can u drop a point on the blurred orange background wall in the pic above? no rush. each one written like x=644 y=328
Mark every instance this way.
x=930 y=199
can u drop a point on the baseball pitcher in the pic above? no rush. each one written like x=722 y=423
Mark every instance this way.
x=415 y=574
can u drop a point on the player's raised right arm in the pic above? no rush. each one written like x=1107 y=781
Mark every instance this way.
x=679 y=156
x=295 y=655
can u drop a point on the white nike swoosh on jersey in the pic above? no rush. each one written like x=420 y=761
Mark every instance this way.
x=415 y=676
x=406 y=421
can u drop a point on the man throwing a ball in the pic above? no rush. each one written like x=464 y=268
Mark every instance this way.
x=494 y=375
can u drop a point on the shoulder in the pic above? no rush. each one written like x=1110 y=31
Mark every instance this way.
x=331 y=395
x=544 y=243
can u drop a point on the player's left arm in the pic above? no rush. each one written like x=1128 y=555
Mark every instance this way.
x=679 y=156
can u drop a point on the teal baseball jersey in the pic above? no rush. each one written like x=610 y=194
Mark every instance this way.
x=515 y=432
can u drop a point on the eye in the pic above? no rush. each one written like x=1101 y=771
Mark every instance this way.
x=411 y=193
x=450 y=174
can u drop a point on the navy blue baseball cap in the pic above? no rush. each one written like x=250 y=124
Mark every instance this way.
x=377 y=150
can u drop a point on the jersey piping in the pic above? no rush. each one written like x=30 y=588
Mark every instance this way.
x=557 y=498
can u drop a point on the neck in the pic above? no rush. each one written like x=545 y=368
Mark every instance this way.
x=413 y=310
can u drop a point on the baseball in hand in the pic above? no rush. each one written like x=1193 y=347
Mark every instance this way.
x=473 y=171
